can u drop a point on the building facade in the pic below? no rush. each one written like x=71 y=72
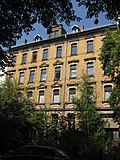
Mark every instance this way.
x=52 y=68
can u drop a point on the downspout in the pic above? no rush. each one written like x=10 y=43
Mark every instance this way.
x=64 y=80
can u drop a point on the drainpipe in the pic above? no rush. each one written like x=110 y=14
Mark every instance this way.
x=64 y=80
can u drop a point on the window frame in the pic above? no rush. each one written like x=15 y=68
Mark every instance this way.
x=58 y=51
x=90 y=46
x=71 y=95
x=21 y=77
x=24 y=58
x=41 y=98
x=57 y=74
x=73 y=71
x=56 y=96
x=45 y=54
x=43 y=75
x=32 y=76
x=73 y=49
x=34 y=56
x=88 y=68
x=106 y=92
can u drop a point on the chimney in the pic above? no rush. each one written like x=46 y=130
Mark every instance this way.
x=25 y=41
x=82 y=28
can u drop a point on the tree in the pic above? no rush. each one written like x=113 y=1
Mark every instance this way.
x=110 y=59
x=90 y=123
x=17 y=17
x=94 y=8
x=20 y=122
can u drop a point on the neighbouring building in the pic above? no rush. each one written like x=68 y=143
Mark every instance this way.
x=52 y=68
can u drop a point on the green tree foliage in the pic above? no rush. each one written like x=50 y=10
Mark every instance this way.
x=17 y=17
x=20 y=122
x=110 y=55
x=110 y=59
x=90 y=122
x=94 y=8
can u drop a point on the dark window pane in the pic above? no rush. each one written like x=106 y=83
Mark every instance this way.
x=90 y=69
x=59 y=51
x=24 y=56
x=57 y=73
x=43 y=74
x=73 y=71
x=45 y=54
x=74 y=49
x=34 y=56
x=90 y=46
x=32 y=74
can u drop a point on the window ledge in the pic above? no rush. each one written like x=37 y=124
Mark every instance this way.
x=105 y=101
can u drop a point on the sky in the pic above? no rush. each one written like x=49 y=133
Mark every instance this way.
x=80 y=11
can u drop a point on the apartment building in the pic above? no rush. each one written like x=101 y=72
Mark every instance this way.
x=51 y=68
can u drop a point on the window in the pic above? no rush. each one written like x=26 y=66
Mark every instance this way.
x=73 y=71
x=72 y=94
x=32 y=74
x=21 y=77
x=74 y=49
x=90 y=93
x=90 y=68
x=56 y=33
x=14 y=60
x=90 y=46
x=107 y=92
x=41 y=97
x=56 y=96
x=30 y=95
x=45 y=54
x=24 y=56
x=43 y=75
x=59 y=52
x=57 y=73
x=54 y=120
x=11 y=76
x=34 y=56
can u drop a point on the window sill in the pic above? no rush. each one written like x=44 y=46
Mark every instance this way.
x=55 y=103
x=33 y=61
x=42 y=80
x=40 y=103
x=105 y=101
x=73 y=54
x=44 y=59
x=90 y=52
x=72 y=77
x=56 y=79
x=30 y=82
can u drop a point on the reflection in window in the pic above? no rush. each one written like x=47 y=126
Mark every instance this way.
x=21 y=77
x=32 y=75
x=34 y=56
x=56 y=96
x=14 y=60
x=72 y=94
x=74 y=49
x=73 y=71
x=107 y=92
x=59 y=52
x=57 y=73
x=24 y=57
x=90 y=68
x=41 y=97
x=43 y=75
x=45 y=54
x=90 y=46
